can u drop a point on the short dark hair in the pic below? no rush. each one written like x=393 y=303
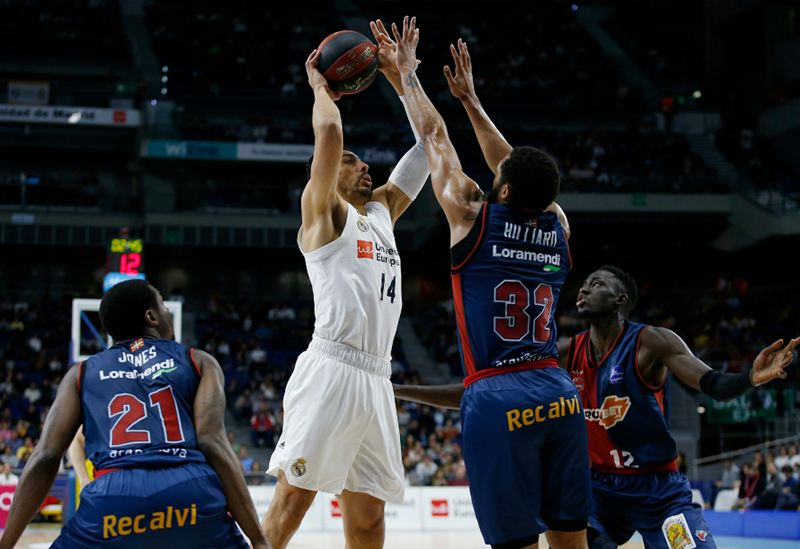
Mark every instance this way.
x=532 y=178
x=628 y=284
x=123 y=307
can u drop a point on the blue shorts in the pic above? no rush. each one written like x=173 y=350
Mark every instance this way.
x=657 y=505
x=173 y=507
x=526 y=452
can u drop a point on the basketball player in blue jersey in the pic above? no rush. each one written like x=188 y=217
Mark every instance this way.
x=152 y=413
x=525 y=442
x=620 y=369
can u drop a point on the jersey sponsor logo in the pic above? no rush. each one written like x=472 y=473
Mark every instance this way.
x=677 y=533
x=439 y=508
x=528 y=416
x=532 y=223
x=616 y=374
x=114 y=526
x=136 y=345
x=386 y=255
x=701 y=534
x=299 y=467
x=139 y=360
x=362 y=225
x=553 y=261
x=155 y=370
x=364 y=248
x=613 y=410
x=578 y=382
x=336 y=511
x=526 y=357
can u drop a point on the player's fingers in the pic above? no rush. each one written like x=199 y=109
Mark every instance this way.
x=775 y=346
x=449 y=75
x=383 y=30
x=416 y=37
x=394 y=31
x=466 y=56
x=413 y=23
x=405 y=26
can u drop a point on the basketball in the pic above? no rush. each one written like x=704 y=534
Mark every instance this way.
x=348 y=60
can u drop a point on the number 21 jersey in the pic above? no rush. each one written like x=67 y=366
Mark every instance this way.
x=507 y=275
x=138 y=401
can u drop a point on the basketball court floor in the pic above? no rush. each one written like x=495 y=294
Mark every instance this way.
x=41 y=536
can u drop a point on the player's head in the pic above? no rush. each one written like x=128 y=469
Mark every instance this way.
x=528 y=178
x=133 y=309
x=354 y=183
x=607 y=291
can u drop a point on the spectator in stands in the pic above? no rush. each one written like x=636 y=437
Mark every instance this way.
x=244 y=405
x=789 y=498
x=9 y=457
x=14 y=442
x=32 y=393
x=748 y=487
x=425 y=469
x=257 y=355
x=232 y=440
x=730 y=476
x=262 y=426
x=245 y=460
x=7 y=478
x=794 y=458
x=783 y=458
x=768 y=497
x=25 y=450
x=460 y=478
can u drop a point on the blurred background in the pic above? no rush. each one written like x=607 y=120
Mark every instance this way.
x=167 y=139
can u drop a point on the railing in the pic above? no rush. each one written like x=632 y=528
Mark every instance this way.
x=795 y=439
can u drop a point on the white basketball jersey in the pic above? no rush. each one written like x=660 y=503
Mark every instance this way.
x=356 y=282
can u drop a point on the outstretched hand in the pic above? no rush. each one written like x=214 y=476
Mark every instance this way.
x=461 y=84
x=315 y=78
x=387 y=48
x=406 y=54
x=771 y=361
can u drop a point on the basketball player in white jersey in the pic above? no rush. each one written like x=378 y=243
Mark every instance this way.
x=340 y=430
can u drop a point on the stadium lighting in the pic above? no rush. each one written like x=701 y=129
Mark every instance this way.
x=701 y=409
x=74 y=118
x=154 y=102
x=163 y=91
x=574 y=7
x=164 y=79
x=697 y=94
x=165 y=69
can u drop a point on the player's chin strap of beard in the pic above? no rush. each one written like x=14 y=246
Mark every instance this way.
x=721 y=386
x=413 y=170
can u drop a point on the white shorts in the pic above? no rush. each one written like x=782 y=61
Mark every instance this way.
x=340 y=428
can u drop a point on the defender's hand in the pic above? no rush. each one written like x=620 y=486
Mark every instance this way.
x=315 y=78
x=461 y=84
x=771 y=361
x=387 y=48
x=406 y=55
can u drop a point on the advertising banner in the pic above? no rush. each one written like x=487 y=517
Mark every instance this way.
x=28 y=93
x=83 y=116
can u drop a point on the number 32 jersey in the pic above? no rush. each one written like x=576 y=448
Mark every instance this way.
x=507 y=275
x=138 y=401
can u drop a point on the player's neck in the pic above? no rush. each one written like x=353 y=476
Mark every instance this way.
x=604 y=332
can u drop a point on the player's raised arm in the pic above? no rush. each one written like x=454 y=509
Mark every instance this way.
x=39 y=474
x=320 y=198
x=411 y=172
x=494 y=146
x=459 y=196
x=669 y=352
x=209 y=413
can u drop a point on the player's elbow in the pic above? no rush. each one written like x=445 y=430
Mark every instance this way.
x=433 y=130
x=328 y=125
x=211 y=443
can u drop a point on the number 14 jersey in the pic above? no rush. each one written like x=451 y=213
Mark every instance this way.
x=138 y=402
x=507 y=275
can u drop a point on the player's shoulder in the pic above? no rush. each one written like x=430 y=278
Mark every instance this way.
x=657 y=338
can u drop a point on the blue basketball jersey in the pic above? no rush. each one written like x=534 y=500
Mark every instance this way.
x=627 y=420
x=138 y=400
x=507 y=275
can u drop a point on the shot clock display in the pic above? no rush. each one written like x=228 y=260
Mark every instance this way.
x=125 y=261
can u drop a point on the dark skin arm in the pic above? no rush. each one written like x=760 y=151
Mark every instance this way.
x=661 y=350
x=209 y=413
x=39 y=474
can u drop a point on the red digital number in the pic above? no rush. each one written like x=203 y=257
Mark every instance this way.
x=133 y=411
x=514 y=325
x=129 y=264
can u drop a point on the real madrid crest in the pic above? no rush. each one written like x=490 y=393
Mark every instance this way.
x=299 y=467
x=362 y=225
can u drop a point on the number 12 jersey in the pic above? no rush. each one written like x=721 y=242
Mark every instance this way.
x=138 y=402
x=507 y=275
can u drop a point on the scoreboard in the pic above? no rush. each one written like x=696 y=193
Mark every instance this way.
x=125 y=260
